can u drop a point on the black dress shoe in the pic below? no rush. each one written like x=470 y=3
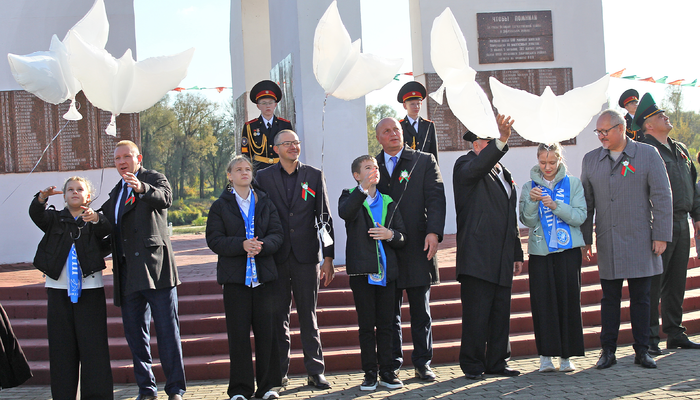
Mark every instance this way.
x=319 y=381
x=681 y=342
x=425 y=373
x=506 y=372
x=654 y=350
x=645 y=360
x=474 y=377
x=607 y=359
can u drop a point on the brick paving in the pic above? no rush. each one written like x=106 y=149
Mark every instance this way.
x=676 y=377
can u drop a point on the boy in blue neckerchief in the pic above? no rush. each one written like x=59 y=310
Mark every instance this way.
x=374 y=229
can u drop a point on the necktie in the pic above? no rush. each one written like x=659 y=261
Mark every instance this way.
x=122 y=205
x=415 y=126
x=269 y=125
x=392 y=164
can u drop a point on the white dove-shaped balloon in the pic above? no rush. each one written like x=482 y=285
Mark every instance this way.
x=340 y=68
x=124 y=85
x=450 y=58
x=48 y=74
x=550 y=118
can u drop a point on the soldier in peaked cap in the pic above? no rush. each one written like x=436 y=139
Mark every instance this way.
x=258 y=136
x=669 y=287
x=629 y=101
x=419 y=134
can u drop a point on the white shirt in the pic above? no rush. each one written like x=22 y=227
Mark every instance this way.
x=267 y=121
x=244 y=204
x=412 y=122
x=93 y=281
x=387 y=160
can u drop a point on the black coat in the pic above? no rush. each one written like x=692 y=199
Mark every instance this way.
x=488 y=240
x=423 y=210
x=59 y=230
x=426 y=134
x=226 y=234
x=361 y=249
x=636 y=135
x=144 y=233
x=299 y=219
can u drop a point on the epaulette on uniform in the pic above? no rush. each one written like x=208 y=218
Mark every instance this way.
x=251 y=121
x=401 y=120
x=282 y=119
x=427 y=120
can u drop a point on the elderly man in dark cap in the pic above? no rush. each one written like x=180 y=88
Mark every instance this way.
x=488 y=252
x=670 y=285
x=629 y=101
x=258 y=136
x=418 y=133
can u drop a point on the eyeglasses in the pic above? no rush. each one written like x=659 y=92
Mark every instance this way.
x=266 y=103
x=605 y=132
x=289 y=143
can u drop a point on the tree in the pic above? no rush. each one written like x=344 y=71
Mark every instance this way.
x=686 y=124
x=158 y=130
x=195 y=140
x=374 y=115
x=223 y=130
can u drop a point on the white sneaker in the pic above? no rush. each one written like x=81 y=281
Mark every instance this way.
x=546 y=364
x=239 y=397
x=565 y=365
x=271 y=394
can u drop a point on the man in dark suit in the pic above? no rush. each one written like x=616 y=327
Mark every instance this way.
x=413 y=180
x=257 y=138
x=419 y=134
x=488 y=252
x=145 y=274
x=298 y=191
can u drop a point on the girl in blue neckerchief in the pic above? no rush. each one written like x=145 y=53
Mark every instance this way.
x=244 y=229
x=553 y=206
x=70 y=256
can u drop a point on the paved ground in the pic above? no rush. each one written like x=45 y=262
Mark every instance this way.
x=676 y=377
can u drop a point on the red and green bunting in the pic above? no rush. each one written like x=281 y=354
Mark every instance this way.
x=663 y=79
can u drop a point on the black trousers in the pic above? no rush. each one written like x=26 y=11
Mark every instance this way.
x=421 y=326
x=639 y=312
x=303 y=281
x=375 y=309
x=485 y=326
x=670 y=285
x=256 y=307
x=555 y=300
x=78 y=345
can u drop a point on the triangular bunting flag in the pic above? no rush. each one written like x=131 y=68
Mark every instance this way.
x=618 y=74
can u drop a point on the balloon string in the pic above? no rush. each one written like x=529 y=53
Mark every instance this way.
x=35 y=165
x=322 y=223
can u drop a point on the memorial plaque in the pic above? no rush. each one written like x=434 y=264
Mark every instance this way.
x=519 y=36
x=28 y=125
x=450 y=130
x=283 y=74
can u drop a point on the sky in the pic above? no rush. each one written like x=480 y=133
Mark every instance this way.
x=660 y=42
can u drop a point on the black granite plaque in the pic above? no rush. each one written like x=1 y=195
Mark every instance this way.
x=519 y=36
x=450 y=130
x=28 y=124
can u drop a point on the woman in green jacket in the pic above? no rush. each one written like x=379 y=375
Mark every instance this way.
x=553 y=206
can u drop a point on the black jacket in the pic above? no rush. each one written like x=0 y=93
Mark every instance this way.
x=361 y=249
x=488 y=240
x=226 y=234
x=423 y=210
x=59 y=230
x=424 y=140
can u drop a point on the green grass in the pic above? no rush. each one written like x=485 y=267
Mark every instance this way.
x=187 y=229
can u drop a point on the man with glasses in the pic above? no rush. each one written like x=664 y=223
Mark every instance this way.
x=630 y=240
x=670 y=285
x=298 y=191
x=259 y=133
x=488 y=252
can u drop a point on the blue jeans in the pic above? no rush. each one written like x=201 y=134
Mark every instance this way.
x=137 y=309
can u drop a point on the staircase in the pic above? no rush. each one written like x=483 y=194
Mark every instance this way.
x=203 y=326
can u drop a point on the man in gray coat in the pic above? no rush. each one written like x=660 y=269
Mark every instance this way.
x=630 y=241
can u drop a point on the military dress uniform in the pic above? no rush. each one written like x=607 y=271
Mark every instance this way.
x=422 y=137
x=257 y=139
x=627 y=97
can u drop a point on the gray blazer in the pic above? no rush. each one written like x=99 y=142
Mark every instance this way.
x=624 y=234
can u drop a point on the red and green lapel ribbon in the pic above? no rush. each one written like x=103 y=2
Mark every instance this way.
x=131 y=199
x=626 y=167
x=404 y=176
x=305 y=191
